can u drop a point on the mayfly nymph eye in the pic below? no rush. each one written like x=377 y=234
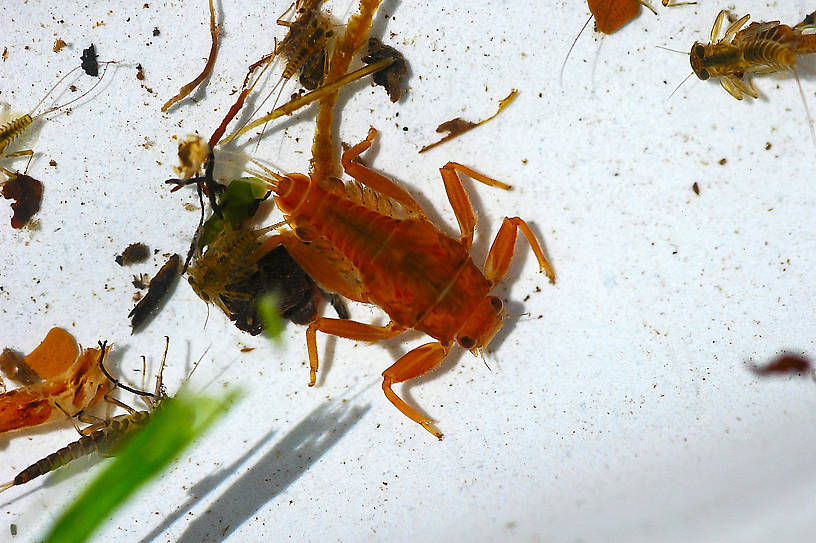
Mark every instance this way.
x=497 y=304
x=698 y=50
x=467 y=342
x=703 y=74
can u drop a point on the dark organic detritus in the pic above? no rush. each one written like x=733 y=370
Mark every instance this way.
x=159 y=286
x=391 y=77
x=27 y=193
x=133 y=254
x=89 y=63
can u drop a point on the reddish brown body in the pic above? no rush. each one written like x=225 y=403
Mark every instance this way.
x=371 y=242
x=610 y=15
x=421 y=277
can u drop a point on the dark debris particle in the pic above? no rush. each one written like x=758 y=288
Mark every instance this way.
x=768 y=146
x=27 y=192
x=134 y=253
x=722 y=162
x=390 y=77
x=140 y=72
x=696 y=188
x=89 y=63
x=156 y=31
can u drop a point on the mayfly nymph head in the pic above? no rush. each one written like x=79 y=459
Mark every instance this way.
x=697 y=56
x=482 y=324
x=197 y=288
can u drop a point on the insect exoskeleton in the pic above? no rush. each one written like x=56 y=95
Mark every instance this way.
x=74 y=384
x=759 y=48
x=382 y=249
x=103 y=436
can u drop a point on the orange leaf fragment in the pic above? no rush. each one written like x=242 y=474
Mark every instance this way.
x=55 y=354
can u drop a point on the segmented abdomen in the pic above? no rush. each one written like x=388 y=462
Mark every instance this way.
x=82 y=447
x=759 y=54
x=99 y=441
x=12 y=129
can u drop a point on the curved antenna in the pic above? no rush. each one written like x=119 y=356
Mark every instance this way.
x=673 y=50
x=282 y=82
x=807 y=110
x=566 y=58
x=680 y=85
x=80 y=97
x=103 y=345
x=52 y=89
x=195 y=366
x=159 y=393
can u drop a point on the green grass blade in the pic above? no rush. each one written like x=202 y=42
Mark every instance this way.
x=173 y=427
x=270 y=317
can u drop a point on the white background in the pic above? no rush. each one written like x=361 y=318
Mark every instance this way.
x=620 y=406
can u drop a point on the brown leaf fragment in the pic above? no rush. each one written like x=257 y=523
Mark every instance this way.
x=159 y=286
x=457 y=126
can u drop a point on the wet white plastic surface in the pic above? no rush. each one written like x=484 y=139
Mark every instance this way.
x=619 y=405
